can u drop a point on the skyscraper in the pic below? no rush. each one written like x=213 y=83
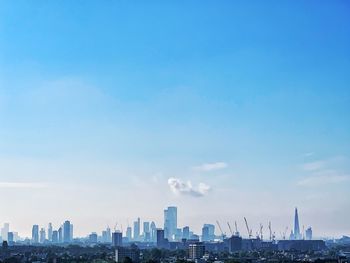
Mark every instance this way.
x=153 y=231
x=117 y=239
x=145 y=227
x=205 y=233
x=66 y=232
x=108 y=232
x=137 y=229
x=308 y=233
x=49 y=232
x=60 y=235
x=4 y=231
x=42 y=235
x=35 y=234
x=296 y=233
x=161 y=243
x=128 y=233
x=170 y=222
x=54 y=238
x=186 y=232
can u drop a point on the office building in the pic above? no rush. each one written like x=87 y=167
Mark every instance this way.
x=10 y=238
x=161 y=241
x=129 y=233
x=35 y=234
x=146 y=228
x=308 y=233
x=54 y=238
x=60 y=235
x=49 y=232
x=117 y=239
x=186 y=232
x=42 y=235
x=93 y=238
x=4 y=231
x=205 y=233
x=196 y=250
x=109 y=237
x=137 y=229
x=211 y=231
x=170 y=222
x=153 y=232
x=67 y=232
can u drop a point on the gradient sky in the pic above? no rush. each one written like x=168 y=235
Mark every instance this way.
x=111 y=110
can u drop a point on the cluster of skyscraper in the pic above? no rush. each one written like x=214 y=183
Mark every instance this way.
x=64 y=234
x=149 y=232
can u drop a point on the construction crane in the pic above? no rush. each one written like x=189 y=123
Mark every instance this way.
x=222 y=233
x=261 y=231
x=236 y=233
x=229 y=227
x=248 y=230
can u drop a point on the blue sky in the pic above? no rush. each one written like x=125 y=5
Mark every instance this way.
x=110 y=108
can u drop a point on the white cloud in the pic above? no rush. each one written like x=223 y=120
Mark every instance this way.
x=206 y=167
x=323 y=180
x=22 y=185
x=308 y=154
x=179 y=187
x=313 y=166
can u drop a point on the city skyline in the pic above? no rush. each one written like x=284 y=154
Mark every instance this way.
x=113 y=111
x=209 y=230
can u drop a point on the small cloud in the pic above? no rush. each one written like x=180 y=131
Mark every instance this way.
x=324 y=180
x=185 y=188
x=308 y=154
x=22 y=185
x=313 y=166
x=206 y=167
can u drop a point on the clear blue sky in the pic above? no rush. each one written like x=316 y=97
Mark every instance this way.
x=108 y=109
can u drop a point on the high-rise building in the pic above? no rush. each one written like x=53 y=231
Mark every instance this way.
x=93 y=238
x=296 y=232
x=308 y=233
x=60 y=235
x=109 y=237
x=42 y=235
x=35 y=234
x=71 y=232
x=196 y=250
x=137 y=229
x=4 y=231
x=10 y=238
x=49 y=232
x=145 y=227
x=170 y=222
x=186 y=232
x=54 y=238
x=117 y=239
x=160 y=238
x=211 y=231
x=205 y=233
x=129 y=233
x=153 y=232
x=66 y=232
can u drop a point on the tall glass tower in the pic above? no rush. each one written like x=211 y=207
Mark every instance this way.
x=170 y=222
x=297 y=234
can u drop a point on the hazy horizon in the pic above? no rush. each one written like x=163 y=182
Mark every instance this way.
x=113 y=110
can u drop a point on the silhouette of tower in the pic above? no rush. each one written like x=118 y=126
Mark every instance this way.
x=297 y=234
